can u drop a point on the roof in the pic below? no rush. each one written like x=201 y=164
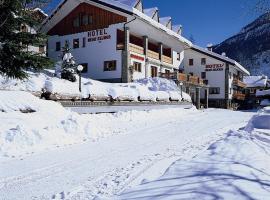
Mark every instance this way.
x=221 y=58
x=255 y=81
x=150 y=11
x=176 y=28
x=131 y=3
x=124 y=6
x=165 y=20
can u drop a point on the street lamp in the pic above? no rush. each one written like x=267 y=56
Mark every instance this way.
x=80 y=68
x=181 y=86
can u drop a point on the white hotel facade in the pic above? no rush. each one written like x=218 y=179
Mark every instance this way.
x=120 y=41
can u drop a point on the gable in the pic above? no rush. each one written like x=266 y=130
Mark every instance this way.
x=98 y=18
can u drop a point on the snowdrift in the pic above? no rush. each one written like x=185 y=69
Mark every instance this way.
x=29 y=124
x=236 y=167
x=150 y=89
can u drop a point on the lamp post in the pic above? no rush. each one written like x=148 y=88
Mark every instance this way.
x=80 y=68
x=181 y=86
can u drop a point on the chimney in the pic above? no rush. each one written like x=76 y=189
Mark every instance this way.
x=210 y=47
x=223 y=54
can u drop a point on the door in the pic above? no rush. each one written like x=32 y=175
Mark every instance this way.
x=153 y=71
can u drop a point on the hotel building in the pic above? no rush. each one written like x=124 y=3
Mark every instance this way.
x=120 y=41
x=116 y=40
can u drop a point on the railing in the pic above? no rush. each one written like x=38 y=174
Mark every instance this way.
x=153 y=54
x=239 y=83
x=167 y=59
x=239 y=96
x=136 y=49
x=184 y=78
x=171 y=75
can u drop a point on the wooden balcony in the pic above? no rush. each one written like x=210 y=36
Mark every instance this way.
x=136 y=49
x=239 y=96
x=182 y=77
x=239 y=83
x=167 y=59
x=153 y=54
x=194 y=80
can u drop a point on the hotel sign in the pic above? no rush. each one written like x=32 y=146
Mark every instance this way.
x=137 y=57
x=214 y=67
x=98 y=35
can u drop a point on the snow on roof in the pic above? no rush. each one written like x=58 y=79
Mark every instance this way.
x=262 y=93
x=150 y=11
x=41 y=11
x=125 y=6
x=176 y=28
x=164 y=20
x=131 y=3
x=255 y=81
x=222 y=57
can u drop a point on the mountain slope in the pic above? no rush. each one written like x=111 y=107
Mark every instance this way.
x=251 y=46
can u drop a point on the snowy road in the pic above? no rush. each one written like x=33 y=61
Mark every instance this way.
x=110 y=165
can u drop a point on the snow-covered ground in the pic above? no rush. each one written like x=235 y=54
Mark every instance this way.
x=236 y=167
x=48 y=152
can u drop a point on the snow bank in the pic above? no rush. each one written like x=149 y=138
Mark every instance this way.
x=29 y=124
x=149 y=89
x=236 y=167
x=259 y=121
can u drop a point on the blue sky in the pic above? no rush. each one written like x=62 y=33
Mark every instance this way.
x=209 y=21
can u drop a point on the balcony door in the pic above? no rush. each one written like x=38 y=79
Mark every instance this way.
x=154 y=72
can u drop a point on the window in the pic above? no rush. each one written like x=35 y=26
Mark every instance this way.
x=110 y=65
x=85 y=67
x=167 y=71
x=76 y=22
x=178 y=56
x=190 y=62
x=84 y=42
x=86 y=19
x=203 y=75
x=203 y=61
x=67 y=43
x=57 y=46
x=214 y=90
x=76 y=43
x=137 y=66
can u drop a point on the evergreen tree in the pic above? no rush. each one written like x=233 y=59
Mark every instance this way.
x=14 y=55
x=69 y=66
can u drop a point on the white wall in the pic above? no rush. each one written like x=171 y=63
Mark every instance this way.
x=215 y=78
x=95 y=53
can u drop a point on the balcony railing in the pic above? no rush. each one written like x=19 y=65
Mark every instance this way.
x=153 y=54
x=136 y=49
x=167 y=59
x=239 y=83
x=171 y=75
x=184 y=78
x=239 y=96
